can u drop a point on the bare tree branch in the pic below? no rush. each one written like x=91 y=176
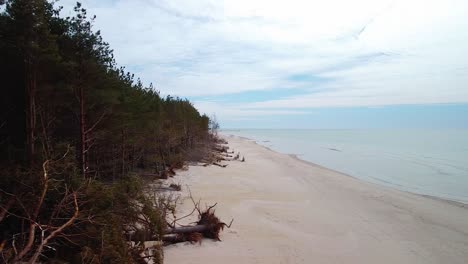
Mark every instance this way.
x=96 y=123
x=56 y=232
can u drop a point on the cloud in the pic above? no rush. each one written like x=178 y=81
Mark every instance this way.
x=336 y=53
x=235 y=112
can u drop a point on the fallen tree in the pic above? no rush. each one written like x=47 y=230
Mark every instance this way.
x=207 y=226
x=146 y=242
x=220 y=153
x=144 y=239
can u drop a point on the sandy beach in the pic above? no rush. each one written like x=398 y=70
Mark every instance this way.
x=289 y=211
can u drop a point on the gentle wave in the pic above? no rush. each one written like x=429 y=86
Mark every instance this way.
x=429 y=162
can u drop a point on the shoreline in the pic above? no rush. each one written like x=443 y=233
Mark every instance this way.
x=390 y=186
x=287 y=210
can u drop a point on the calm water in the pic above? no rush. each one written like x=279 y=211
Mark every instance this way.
x=432 y=162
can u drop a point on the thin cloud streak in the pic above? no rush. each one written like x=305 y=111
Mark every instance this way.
x=366 y=53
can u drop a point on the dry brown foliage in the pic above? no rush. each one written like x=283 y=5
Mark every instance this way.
x=215 y=226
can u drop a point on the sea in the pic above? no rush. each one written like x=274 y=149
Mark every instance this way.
x=428 y=162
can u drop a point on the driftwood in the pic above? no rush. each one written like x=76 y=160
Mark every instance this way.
x=175 y=187
x=222 y=149
x=220 y=153
x=220 y=165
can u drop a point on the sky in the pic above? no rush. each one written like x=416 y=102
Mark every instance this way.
x=298 y=63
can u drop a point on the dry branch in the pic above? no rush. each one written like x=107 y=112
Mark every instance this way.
x=57 y=231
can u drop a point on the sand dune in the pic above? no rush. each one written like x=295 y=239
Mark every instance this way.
x=290 y=211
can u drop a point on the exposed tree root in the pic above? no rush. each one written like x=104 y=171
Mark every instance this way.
x=207 y=226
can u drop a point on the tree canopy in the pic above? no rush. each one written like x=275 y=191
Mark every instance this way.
x=74 y=128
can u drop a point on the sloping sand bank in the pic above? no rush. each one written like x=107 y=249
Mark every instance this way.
x=290 y=211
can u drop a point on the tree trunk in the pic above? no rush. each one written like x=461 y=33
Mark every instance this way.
x=30 y=79
x=188 y=229
x=82 y=133
x=123 y=152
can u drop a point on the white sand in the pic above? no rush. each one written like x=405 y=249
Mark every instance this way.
x=290 y=211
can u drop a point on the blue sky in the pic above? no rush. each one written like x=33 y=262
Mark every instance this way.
x=299 y=63
x=439 y=116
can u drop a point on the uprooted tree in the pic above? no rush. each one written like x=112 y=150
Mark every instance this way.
x=208 y=225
